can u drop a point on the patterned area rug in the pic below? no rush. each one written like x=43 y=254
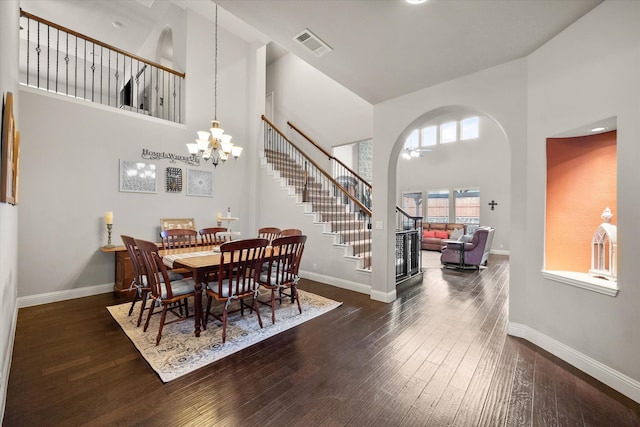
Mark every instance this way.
x=181 y=352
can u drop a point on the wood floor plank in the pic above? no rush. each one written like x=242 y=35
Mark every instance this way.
x=438 y=355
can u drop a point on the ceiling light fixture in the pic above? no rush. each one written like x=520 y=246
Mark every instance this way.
x=598 y=129
x=416 y=1
x=214 y=145
x=414 y=152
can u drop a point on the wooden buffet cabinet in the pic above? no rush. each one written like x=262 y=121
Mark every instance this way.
x=124 y=270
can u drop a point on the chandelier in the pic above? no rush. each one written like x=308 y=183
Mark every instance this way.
x=214 y=145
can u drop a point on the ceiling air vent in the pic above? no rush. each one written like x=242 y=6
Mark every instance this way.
x=312 y=42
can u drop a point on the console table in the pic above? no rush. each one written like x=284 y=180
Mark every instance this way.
x=230 y=234
x=124 y=269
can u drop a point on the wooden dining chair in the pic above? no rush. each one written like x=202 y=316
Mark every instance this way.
x=237 y=278
x=179 y=238
x=290 y=232
x=140 y=283
x=209 y=236
x=164 y=292
x=282 y=271
x=268 y=233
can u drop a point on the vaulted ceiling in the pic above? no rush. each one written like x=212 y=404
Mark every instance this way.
x=381 y=49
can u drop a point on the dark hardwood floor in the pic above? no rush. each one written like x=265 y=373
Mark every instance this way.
x=438 y=355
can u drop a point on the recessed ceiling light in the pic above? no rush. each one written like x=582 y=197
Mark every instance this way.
x=598 y=129
x=416 y=1
x=117 y=24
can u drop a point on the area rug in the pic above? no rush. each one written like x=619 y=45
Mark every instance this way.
x=181 y=352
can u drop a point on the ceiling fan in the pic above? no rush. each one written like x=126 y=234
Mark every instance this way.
x=414 y=152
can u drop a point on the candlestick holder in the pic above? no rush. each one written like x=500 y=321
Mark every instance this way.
x=109 y=245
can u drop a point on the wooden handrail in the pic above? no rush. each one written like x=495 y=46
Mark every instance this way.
x=99 y=43
x=310 y=160
x=329 y=155
x=403 y=212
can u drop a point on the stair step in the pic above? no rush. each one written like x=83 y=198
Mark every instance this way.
x=330 y=209
x=353 y=235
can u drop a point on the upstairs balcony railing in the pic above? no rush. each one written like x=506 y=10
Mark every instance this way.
x=62 y=61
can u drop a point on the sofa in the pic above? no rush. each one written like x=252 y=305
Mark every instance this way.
x=434 y=233
x=471 y=254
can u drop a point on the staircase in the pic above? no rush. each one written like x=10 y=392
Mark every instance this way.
x=345 y=219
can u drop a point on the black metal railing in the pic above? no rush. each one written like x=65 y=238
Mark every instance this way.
x=60 y=60
x=357 y=186
x=334 y=204
x=408 y=245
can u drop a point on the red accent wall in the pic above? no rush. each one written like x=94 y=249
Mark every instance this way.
x=581 y=182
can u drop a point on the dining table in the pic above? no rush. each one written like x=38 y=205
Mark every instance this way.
x=201 y=261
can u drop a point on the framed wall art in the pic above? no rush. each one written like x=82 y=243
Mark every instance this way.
x=138 y=177
x=174 y=180
x=180 y=223
x=9 y=154
x=199 y=183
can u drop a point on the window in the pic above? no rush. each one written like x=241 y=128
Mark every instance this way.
x=429 y=136
x=412 y=203
x=469 y=128
x=413 y=141
x=445 y=133
x=438 y=206
x=467 y=207
x=448 y=132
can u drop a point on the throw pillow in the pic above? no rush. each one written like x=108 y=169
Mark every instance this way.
x=442 y=234
x=465 y=238
x=428 y=234
x=456 y=233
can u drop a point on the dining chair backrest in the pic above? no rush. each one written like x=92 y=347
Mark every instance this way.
x=179 y=238
x=136 y=261
x=157 y=275
x=284 y=264
x=240 y=263
x=268 y=233
x=290 y=232
x=209 y=236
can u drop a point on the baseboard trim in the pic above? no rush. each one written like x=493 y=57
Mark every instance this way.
x=334 y=281
x=48 y=297
x=499 y=252
x=387 y=297
x=603 y=373
x=6 y=365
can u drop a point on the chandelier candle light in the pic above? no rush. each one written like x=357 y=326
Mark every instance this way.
x=214 y=145
x=108 y=219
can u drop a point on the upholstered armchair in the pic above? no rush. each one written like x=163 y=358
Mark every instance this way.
x=471 y=254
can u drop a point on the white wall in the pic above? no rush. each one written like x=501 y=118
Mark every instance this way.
x=500 y=93
x=481 y=163
x=587 y=73
x=9 y=12
x=70 y=163
x=326 y=111
x=331 y=115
